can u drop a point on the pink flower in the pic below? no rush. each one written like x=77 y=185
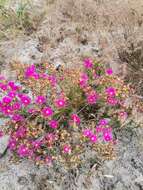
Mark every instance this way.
x=123 y=115
x=60 y=103
x=99 y=129
x=23 y=151
x=50 y=137
x=36 y=144
x=53 y=124
x=6 y=100
x=12 y=144
x=26 y=100
x=52 y=79
x=75 y=118
x=7 y=110
x=83 y=81
x=47 y=112
x=43 y=75
x=111 y=91
x=36 y=76
x=31 y=154
x=48 y=160
x=112 y=101
x=87 y=133
x=4 y=87
x=109 y=71
x=88 y=63
x=93 y=138
x=92 y=98
x=1 y=106
x=1 y=133
x=40 y=99
x=12 y=94
x=16 y=106
x=67 y=149
x=13 y=86
x=107 y=134
x=103 y=122
x=32 y=110
x=17 y=117
x=30 y=71
x=21 y=132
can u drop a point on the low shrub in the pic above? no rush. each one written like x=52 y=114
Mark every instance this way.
x=55 y=114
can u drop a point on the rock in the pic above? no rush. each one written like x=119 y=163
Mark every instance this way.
x=3 y=143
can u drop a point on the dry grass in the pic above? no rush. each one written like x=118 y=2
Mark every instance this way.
x=116 y=26
x=20 y=19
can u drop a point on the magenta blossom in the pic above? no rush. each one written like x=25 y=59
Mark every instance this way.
x=40 y=99
x=109 y=71
x=1 y=104
x=112 y=101
x=16 y=106
x=67 y=149
x=43 y=75
x=60 y=103
x=123 y=115
x=99 y=128
x=83 y=81
x=107 y=134
x=17 y=117
x=6 y=100
x=12 y=94
x=93 y=138
x=4 y=87
x=23 y=150
x=12 y=144
x=88 y=63
x=26 y=100
x=47 y=112
x=87 y=133
x=36 y=76
x=31 y=154
x=111 y=91
x=32 y=110
x=30 y=71
x=36 y=144
x=1 y=133
x=92 y=98
x=75 y=118
x=103 y=122
x=52 y=79
x=50 y=137
x=53 y=124
x=13 y=86
x=48 y=160
x=21 y=132
x=7 y=110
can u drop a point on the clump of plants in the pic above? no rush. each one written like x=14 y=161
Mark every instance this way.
x=21 y=19
x=55 y=115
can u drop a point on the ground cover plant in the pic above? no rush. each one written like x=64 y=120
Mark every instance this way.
x=54 y=115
